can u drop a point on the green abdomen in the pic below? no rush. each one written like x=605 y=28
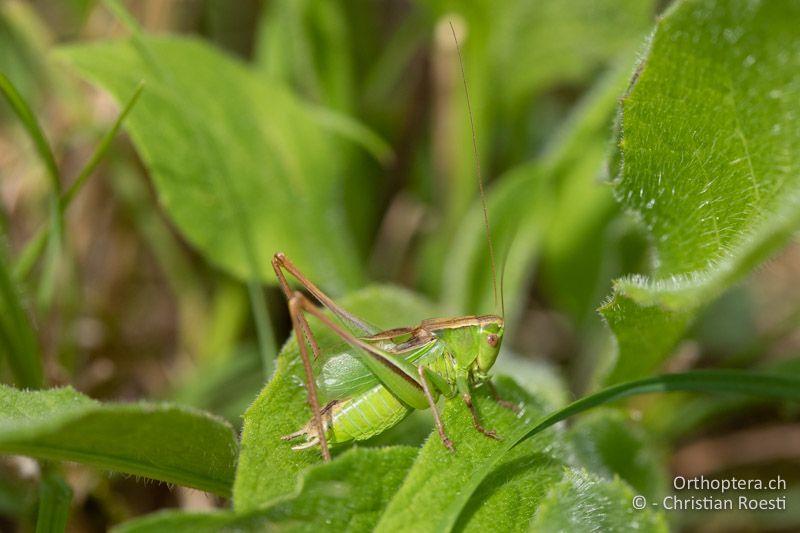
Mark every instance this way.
x=365 y=415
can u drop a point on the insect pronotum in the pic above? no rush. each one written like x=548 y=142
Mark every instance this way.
x=394 y=371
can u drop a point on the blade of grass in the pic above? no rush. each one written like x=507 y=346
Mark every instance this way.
x=26 y=116
x=47 y=283
x=101 y=149
x=34 y=130
x=33 y=250
x=716 y=381
x=55 y=497
x=17 y=338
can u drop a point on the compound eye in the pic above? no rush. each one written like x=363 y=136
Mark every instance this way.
x=492 y=340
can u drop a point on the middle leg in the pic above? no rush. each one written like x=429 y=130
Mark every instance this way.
x=467 y=397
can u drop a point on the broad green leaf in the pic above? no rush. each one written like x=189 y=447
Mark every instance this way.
x=351 y=492
x=509 y=495
x=347 y=494
x=159 y=441
x=268 y=467
x=730 y=382
x=609 y=445
x=708 y=142
x=188 y=522
x=243 y=168
x=540 y=377
x=644 y=334
x=586 y=502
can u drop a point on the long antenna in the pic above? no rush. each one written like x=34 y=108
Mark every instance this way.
x=480 y=176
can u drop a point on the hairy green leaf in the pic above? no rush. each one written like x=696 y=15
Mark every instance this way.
x=240 y=164
x=609 y=445
x=708 y=142
x=268 y=467
x=159 y=441
x=730 y=382
x=509 y=495
x=586 y=502
x=347 y=494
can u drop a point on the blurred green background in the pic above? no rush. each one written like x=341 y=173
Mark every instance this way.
x=339 y=133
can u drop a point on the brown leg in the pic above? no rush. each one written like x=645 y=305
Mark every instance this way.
x=438 y=421
x=280 y=262
x=511 y=406
x=475 y=420
x=296 y=312
x=300 y=304
x=287 y=290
